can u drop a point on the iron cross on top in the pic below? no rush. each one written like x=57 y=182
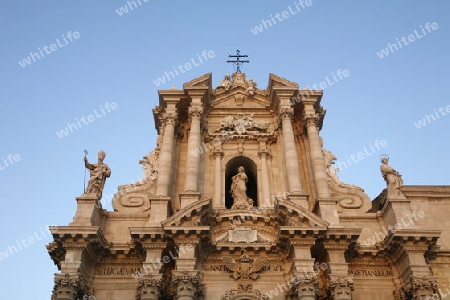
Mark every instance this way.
x=238 y=62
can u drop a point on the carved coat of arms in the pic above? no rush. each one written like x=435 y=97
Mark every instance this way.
x=245 y=267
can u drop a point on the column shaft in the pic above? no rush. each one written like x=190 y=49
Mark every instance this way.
x=291 y=156
x=265 y=181
x=318 y=166
x=193 y=161
x=218 y=181
x=165 y=158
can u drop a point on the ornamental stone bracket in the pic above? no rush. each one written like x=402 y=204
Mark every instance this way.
x=150 y=287
x=69 y=287
x=186 y=285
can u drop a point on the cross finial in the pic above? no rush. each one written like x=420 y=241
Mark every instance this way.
x=238 y=62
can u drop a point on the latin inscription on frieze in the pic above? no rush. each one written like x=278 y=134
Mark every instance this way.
x=266 y=268
x=118 y=271
x=370 y=272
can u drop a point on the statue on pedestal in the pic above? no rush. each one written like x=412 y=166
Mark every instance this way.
x=239 y=190
x=99 y=173
x=393 y=179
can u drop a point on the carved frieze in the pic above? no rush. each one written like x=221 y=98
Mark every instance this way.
x=241 y=125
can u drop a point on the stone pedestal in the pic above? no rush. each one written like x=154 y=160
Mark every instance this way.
x=327 y=210
x=89 y=211
x=397 y=210
x=300 y=199
x=188 y=198
x=159 y=210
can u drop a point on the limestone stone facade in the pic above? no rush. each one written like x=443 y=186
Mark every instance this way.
x=296 y=232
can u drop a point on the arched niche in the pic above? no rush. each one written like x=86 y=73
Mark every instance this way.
x=251 y=169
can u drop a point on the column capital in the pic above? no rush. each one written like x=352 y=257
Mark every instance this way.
x=310 y=119
x=149 y=285
x=419 y=288
x=186 y=285
x=69 y=286
x=263 y=150
x=170 y=118
x=303 y=285
x=217 y=154
x=285 y=113
x=341 y=285
x=195 y=112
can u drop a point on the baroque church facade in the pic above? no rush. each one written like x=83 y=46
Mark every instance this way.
x=239 y=200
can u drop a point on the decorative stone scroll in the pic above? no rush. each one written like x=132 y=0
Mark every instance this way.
x=350 y=197
x=243 y=235
x=69 y=286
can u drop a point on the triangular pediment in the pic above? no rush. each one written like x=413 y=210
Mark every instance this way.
x=294 y=215
x=279 y=82
x=191 y=215
x=204 y=81
x=239 y=98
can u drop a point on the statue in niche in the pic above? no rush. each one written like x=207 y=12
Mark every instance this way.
x=226 y=82
x=239 y=190
x=393 y=179
x=99 y=173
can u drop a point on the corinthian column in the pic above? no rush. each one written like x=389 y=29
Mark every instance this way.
x=194 y=142
x=218 y=178
x=165 y=158
x=315 y=150
x=264 y=154
x=290 y=151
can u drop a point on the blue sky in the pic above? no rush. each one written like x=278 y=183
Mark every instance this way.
x=116 y=59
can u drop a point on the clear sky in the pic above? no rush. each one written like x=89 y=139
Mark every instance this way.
x=95 y=54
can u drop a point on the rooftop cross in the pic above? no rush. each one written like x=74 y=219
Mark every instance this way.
x=238 y=62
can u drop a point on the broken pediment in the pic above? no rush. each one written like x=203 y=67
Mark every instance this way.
x=191 y=215
x=291 y=214
x=204 y=81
